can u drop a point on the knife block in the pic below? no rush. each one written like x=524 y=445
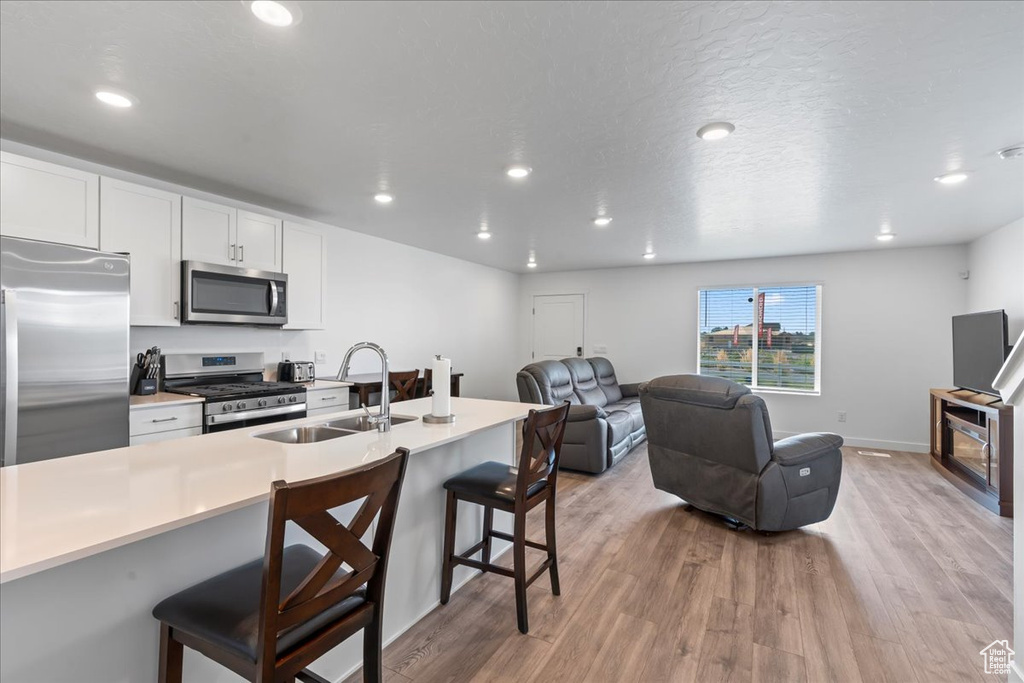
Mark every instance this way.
x=142 y=386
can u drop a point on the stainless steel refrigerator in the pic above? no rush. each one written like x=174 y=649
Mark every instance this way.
x=64 y=355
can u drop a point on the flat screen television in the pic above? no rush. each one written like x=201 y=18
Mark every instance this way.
x=980 y=347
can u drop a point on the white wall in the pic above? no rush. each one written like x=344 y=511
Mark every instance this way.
x=885 y=331
x=414 y=303
x=996 y=261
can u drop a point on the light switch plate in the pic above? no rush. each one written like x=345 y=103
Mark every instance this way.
x=320 y=356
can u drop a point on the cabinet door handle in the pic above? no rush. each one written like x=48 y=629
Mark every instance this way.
x=241 y=253
x=328 y=398
x=175 y=310
x=164 y=419
x=233 y=256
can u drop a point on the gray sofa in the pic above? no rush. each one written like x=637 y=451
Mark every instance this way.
x=710 y=443
x=605 y=418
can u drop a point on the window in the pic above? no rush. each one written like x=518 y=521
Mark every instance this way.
x=764 y=337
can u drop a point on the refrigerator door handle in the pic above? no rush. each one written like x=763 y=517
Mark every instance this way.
x=10 y=306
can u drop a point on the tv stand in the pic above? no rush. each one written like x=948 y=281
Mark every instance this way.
x=972 y=445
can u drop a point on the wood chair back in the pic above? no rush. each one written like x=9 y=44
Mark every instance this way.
x=404 y=384
x=428 y=382
x=307 y=504
x=542 y=446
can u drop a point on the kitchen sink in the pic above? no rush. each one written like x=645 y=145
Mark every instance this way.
x=328 y=430
x=313 y=434
x=359 y=423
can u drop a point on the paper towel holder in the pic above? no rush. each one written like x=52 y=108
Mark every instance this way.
x=431 y=418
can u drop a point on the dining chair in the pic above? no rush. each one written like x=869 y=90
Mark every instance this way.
x=403 y=384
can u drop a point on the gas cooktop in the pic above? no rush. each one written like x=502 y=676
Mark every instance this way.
x=236 y=389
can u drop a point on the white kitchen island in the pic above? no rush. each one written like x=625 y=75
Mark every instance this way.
x=89 y=543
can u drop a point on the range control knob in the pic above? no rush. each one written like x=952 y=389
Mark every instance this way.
x=262 y=403
x=226 y=407
x=241 y=405
x=291 y=399
x=280 y=399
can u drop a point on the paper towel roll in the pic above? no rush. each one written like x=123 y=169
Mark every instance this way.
x=442 y=386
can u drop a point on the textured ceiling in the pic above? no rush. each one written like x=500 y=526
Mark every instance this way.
x=844 y=112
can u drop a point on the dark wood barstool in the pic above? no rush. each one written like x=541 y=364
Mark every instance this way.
x=404 y=384
x=426 y=388
x=269 y=619
x=497 y=486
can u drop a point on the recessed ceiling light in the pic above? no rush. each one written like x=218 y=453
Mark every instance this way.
x=518 y=171
x=951 y=178
x=273 y=13
x=885 y=236
x=114 y=99
x=484 y=235
x=602 y=221
x=649 y=255
x=531 y=264
x=715 y=131
x=383 y=198
x=1014 y=152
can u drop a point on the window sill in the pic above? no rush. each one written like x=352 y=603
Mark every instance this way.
x=787 y=392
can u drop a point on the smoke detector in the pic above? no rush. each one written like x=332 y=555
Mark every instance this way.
x=1014 y=152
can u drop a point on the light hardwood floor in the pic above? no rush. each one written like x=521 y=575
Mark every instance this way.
x=907 y=581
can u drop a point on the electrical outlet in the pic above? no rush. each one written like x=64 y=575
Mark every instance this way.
x=600 y=348
x=320 y=356
x=284 y=355
x=842 y=416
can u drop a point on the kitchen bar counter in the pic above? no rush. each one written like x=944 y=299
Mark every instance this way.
x=89 y=543
x=61 y=510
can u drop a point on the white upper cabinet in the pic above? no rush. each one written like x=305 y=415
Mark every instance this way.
x=259 y=242
x=214 y=233
x=145 y=223
x=305 y=263
x=208 y=232
x=47 y=202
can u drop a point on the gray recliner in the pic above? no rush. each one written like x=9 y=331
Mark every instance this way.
x=710 y=443
x=605 y=418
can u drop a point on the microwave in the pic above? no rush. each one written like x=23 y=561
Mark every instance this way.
x=227 y=295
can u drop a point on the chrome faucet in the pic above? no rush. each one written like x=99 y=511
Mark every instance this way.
x=383 y=419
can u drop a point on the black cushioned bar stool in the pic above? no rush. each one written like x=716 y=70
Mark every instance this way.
x=496 y=486
x=269 y=619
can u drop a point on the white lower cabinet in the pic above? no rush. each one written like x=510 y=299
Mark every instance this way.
x=324 y=400
x=148 y=423
x=145 y=223
x=305 y=263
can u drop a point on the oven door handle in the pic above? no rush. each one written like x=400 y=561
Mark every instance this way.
x=250 y=414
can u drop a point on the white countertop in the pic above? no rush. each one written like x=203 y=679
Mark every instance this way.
x=322 y=384
x=162 y=398
x=57 y=511
x=165 y=398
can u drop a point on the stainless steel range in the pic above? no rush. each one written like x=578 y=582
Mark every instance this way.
x=234 y=390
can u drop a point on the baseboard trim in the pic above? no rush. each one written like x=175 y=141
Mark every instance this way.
x=1016 y=674
x=872 y=443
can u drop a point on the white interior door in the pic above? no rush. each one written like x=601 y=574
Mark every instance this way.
x=558 y=326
